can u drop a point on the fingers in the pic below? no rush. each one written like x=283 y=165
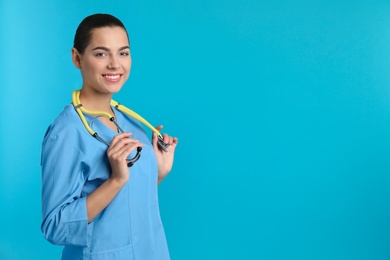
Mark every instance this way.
x=172 y=141
x=175 y=141
x=121 y=140
x=121 y=146
x=168 y=139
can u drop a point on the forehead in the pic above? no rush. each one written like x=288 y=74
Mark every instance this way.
x=110 y=37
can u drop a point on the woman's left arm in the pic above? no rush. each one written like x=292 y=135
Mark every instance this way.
x=164 y=159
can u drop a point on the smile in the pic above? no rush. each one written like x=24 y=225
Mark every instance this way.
x=112 y=78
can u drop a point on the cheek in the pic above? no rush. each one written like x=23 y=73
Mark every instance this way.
x=129 y=65
x=92 y=66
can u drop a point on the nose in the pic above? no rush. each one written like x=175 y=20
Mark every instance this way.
x=113 y=64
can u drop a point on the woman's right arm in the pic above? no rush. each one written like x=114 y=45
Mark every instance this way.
x=67 y=213
x=64 y=171
x=120 y=148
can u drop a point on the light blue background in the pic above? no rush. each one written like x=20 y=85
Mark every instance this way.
x=282 y=109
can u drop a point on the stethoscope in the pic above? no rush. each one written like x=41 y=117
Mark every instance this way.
x=81 y=110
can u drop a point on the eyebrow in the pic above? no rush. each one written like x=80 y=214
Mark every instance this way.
x=107 y=49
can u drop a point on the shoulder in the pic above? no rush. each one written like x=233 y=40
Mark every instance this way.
x=66 y=123
x=62 y=138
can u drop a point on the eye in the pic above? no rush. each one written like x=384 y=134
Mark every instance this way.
x=124 y=53
x=101 y=54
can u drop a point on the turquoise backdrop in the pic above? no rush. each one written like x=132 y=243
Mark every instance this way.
x=282 y=109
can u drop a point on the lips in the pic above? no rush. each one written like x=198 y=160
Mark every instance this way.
x=112 y=78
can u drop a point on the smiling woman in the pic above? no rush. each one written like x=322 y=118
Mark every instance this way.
x=105 y=63
x=91 y=206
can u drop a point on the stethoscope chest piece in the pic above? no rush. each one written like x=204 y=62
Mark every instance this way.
x=160 y=142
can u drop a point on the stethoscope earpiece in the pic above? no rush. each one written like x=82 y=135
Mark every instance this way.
x=130 y=162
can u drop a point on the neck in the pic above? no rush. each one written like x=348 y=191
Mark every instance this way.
x=95 y=101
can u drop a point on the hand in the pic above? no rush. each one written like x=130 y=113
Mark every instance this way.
x=164 y=159
x=120 y=148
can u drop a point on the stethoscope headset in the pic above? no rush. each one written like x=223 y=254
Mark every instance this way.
x=81 y=111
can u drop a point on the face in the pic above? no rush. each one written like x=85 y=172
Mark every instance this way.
x=106 y=62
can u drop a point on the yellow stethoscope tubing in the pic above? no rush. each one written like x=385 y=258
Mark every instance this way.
x=80 y=110
x=78 y=106
x=134 y=115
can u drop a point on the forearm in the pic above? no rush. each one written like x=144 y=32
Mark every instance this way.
x=161 y=177
x=99 y=199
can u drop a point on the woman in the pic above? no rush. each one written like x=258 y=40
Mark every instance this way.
x=93 y=203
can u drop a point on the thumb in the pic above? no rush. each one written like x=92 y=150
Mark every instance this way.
x=154 y=139
x=154 y=136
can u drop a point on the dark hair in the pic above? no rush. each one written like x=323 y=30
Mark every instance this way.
x=83 y=33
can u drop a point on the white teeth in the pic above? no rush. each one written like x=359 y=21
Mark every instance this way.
x=112 y=77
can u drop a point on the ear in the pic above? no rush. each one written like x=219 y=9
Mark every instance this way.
x=76 y=58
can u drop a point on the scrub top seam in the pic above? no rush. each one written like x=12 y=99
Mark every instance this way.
x=130 y=222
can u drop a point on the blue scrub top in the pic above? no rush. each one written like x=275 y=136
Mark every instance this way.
x=74 y=164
